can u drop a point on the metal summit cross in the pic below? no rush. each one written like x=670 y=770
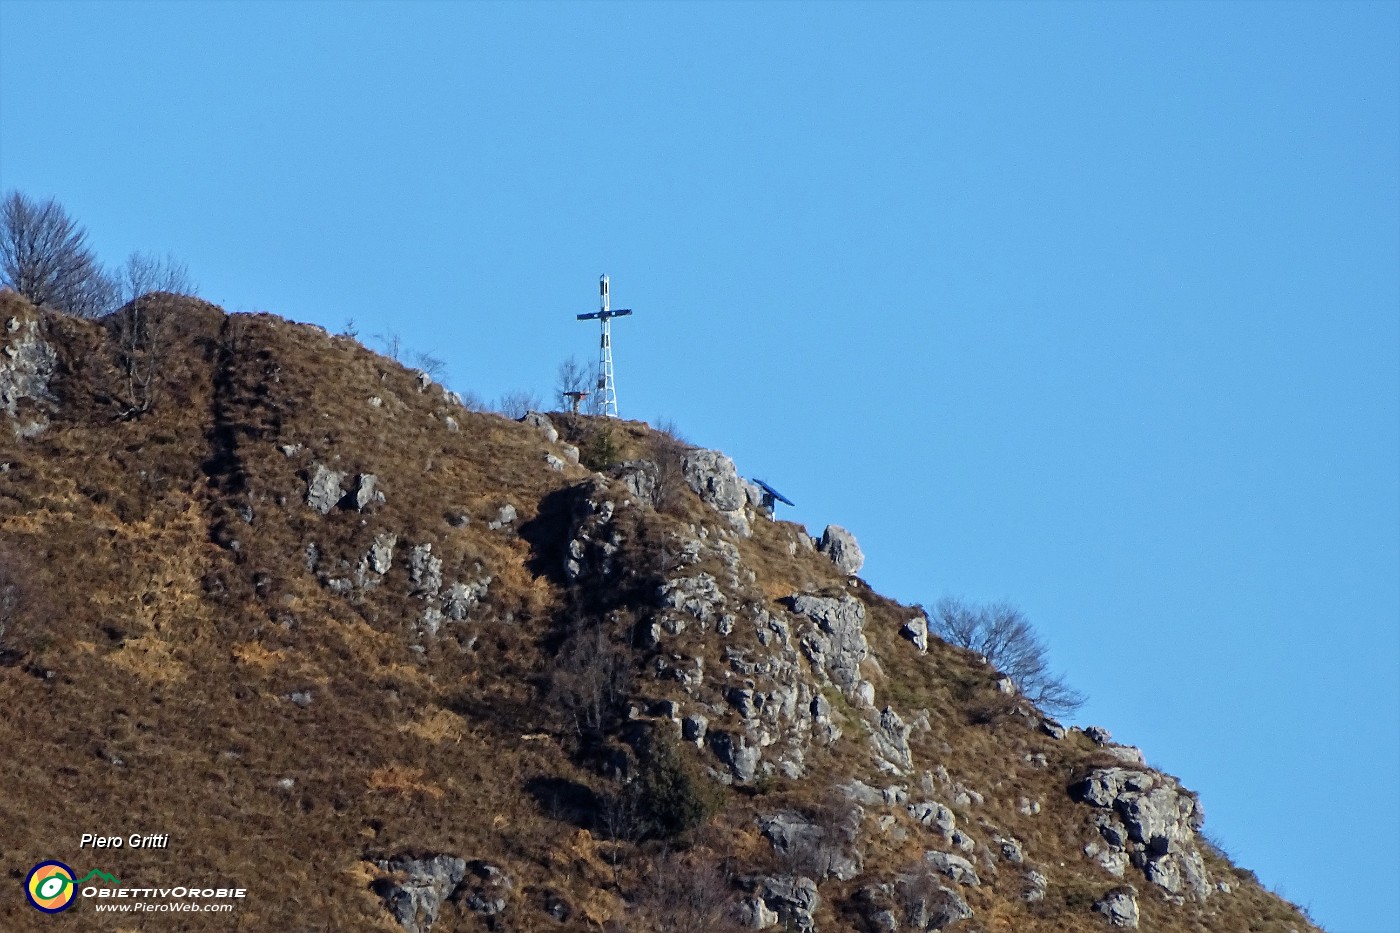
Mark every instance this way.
x=606 y=386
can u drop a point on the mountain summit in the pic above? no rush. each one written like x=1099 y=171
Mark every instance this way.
x=382 y=662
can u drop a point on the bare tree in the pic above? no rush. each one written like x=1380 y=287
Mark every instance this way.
x=44 y=256
x=668 y=453
x=392 y=344
x=572 y=377
x=143 y=324
x=1002 y=634
x=592 y=680
x=426 y=362
x=685 y=893
x=516 y=404
x=145 y=273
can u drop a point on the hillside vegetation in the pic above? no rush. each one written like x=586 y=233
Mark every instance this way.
x=388 y=663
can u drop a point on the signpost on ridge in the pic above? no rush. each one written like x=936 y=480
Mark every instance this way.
x=606 y=386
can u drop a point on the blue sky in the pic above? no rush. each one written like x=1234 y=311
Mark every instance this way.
x=1095 y=308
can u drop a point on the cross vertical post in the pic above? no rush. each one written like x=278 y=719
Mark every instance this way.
x=607 y=384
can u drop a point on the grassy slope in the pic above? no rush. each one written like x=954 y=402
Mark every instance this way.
x=145 y=685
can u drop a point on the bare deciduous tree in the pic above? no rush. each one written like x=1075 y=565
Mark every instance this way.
x=572 y=376
x=592 y=680
x=45 y=257
x=516 y=404
x=432 y=365
x=685 y=893
x=142 y=326
x=392 y=344
x=1002 y=634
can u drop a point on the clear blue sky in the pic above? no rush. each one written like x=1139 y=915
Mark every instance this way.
x=1095 y=308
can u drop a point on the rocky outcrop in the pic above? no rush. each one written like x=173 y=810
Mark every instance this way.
x=364 y=492
x=713 y=477
x=416 y=888
x=1120 y=906
x=825 y=849
x=27 y=365
x=487 y=889
x=540 y=423
x=593 y=538
x=835 y=644
x=916 y=631
x=424 y=570
x=1151 y=824
x=323 y=489
x=790 y=900
x=686 y=600
x=840 y=545
x=642 y=479
x=952 y=866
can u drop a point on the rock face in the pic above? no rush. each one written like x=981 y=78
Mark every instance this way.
x=417 y=887
x=840 y=545
x=827 y=851
x=593 y=537
x=713 y=477
x=836 y=643
x=642 y=480
x=787 y=899
x=26 y=365
x=1151 y=823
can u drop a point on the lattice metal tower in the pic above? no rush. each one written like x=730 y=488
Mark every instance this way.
x=607 y=386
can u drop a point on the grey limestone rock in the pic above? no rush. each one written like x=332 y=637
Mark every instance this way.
x=936 y=816
x=916 y=630
x=505 y=515
x=381 y=553
x=487 y=889
x=693 y=728
x=416 y=888
x=461 y=598
x=364 y=493
x=1009 y=848
x=713 y=477
x=1098 y=734
x=840 y=545
x=792 y=898
x=1120 y=906
x=642 y=479
x=891 y=740
x=542 y=424
x=1104 y=786
x=736 y=754
x=932 y=906
x=955 y=867
x=27 y=365
x=837 y=644
x=323 y=489
x=824 y=849
x=424 y=570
